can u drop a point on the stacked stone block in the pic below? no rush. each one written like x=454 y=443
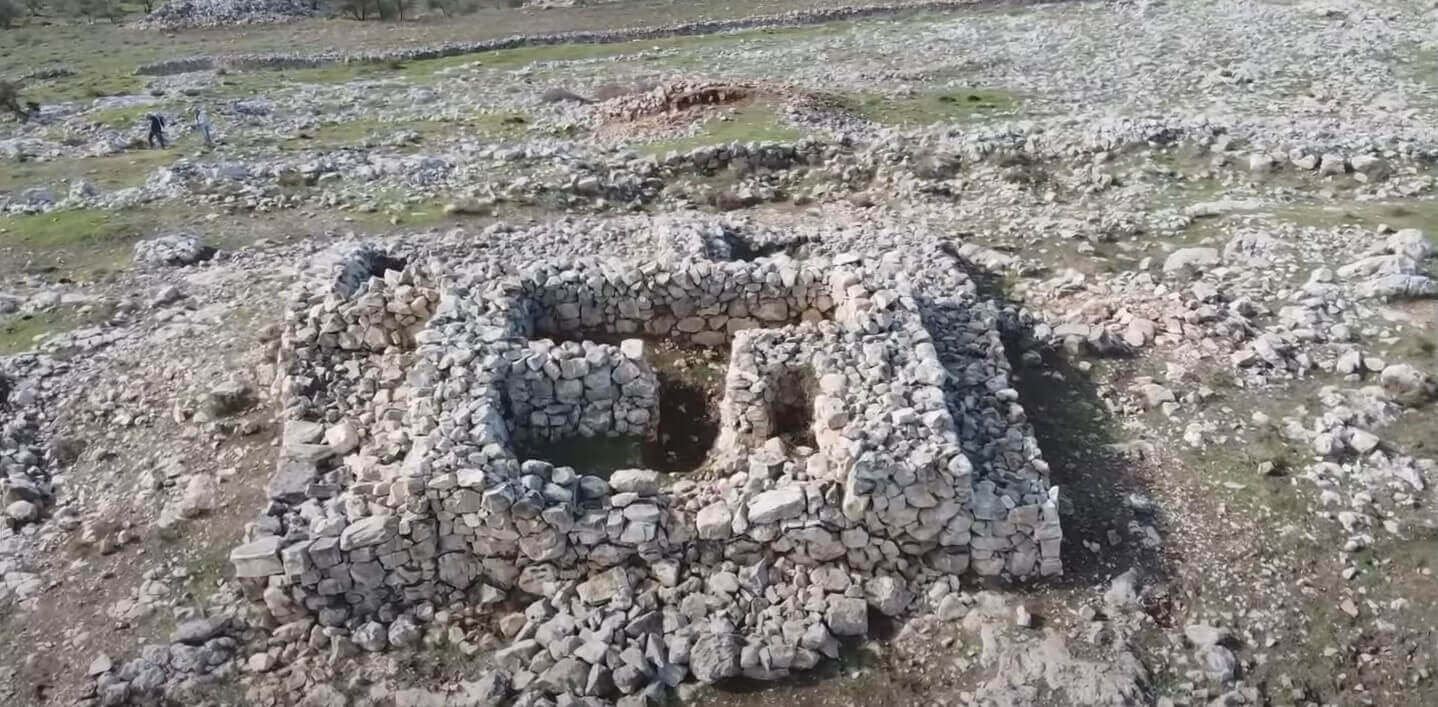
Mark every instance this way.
x=581 y=389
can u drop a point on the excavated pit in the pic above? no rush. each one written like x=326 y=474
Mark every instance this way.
x=793 y=409
x=690 y=387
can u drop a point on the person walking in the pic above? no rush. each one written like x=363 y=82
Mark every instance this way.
x=202 y=124
x=157 y=131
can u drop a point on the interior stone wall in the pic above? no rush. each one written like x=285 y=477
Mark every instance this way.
x=584 y=389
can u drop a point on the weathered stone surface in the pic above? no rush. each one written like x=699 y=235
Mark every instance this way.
x=1191 y=259
x=605 y=586
x=199 y=496
x=365 y=532
x=291 y=480
x=713 y=522
x=848 y=617
x=777 y=505
x=644 y=482
x=714 y=657
x=566 y=675
x=197 y=631
x=887 y=595
x=260 y=558
x=174 y=249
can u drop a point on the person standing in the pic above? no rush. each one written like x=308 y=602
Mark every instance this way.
x=202 y=124
x=157 y=131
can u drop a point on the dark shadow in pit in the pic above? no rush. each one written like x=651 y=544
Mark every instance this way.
x=688 y=422
x=1098 y=472
x=366 y=264
x=736 y=246
x=690 y=387
x=793 y=408
x=595 y=456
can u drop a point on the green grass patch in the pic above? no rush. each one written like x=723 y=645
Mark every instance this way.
x=129 y=117
x=425 y=70
x=104 y=56
x=78 y=243
x=1416 y=345
x=126 y=169
x=930 y=108
x=206 y=569
x=61 y=229
x=398 y=213
x=1409 y=213
x=511 y=59
x=246 y=83
x=1415 y=61
x=22 y=332
x=84 y=86
x=751 y=123
x=370 y=132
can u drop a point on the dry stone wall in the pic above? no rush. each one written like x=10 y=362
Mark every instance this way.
x=787 y=19
x=401 y=488
x=581 y=389
x=701 y=303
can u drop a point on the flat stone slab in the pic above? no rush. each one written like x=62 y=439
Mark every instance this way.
x=291 y=480
x=368 y=531
x=779 y=504
x=260 y=558
x=603 y=587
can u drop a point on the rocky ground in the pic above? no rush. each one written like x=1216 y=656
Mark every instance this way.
x=1208 y=228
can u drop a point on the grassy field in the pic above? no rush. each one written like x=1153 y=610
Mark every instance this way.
x=929 y=108
x=104 y=56
x=80 y=243
x=126 y=169
x=752 y=123
x=20 y=332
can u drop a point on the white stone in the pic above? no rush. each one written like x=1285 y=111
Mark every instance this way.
x=777 y=505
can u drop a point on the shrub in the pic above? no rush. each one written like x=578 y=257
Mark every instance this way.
x=9 y=13
x=10 y=97
x=450 y=8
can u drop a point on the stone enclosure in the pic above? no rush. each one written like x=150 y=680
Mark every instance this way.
x=869 y=445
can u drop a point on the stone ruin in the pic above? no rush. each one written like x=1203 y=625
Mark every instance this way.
x=409 y=383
